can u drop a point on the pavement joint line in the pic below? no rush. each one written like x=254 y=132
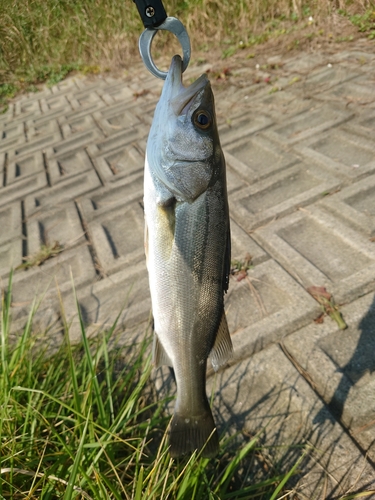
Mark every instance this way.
x=300 y=174
x=97 y=265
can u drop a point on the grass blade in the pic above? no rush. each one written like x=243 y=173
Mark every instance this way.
x=94 y=379
x=138 y=489
x=70 y=488
x=231 y=468
x=288 y=476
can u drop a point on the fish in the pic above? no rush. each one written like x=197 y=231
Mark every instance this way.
x=187 y=247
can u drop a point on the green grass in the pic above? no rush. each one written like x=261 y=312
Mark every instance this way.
x=365 y=21
x=85 y=423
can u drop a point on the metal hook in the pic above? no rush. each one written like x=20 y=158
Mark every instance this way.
x=177 y=28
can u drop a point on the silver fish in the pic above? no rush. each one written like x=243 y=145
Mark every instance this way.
x=187 y=245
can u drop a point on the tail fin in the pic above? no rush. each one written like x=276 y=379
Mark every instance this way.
x=190 y=433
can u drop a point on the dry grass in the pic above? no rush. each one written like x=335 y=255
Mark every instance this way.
x=43 y=41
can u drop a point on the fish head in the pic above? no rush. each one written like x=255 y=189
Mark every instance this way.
x=183 y=145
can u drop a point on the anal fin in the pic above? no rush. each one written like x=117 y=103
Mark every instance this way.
x=159 y=356
x=222 y=350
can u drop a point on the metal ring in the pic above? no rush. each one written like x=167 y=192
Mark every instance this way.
x=177 y=28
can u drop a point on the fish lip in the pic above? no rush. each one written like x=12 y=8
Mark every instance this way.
x=181 y=97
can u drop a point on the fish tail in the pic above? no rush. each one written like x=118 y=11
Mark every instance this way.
x=190 y=433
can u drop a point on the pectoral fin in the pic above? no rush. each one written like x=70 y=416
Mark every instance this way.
x=222 y=350
x=159 y=356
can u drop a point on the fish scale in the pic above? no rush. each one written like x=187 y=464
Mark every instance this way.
x=188 y=252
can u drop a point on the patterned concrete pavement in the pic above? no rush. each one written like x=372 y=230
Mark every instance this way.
x=301 y=177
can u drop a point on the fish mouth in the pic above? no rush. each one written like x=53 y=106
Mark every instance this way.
x=181 y=97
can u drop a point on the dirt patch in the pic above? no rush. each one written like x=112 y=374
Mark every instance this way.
x=327 y=36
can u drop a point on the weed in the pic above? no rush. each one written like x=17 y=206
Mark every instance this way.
x=365 y=21
x=44 y=253
x=7 y=91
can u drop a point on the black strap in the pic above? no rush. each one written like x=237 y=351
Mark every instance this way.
x=152 y=12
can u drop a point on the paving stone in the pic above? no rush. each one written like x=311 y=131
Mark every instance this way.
x=236 y=100
x=22 y=188
x=105 y=200
x=77 y=125
x=10 y=130
x=234 y=181
x=341 y=366
x=67 y=85
x=242 y=245
x=65 y=190
x=119 y=91
x=264 y=307
x=354 y=56
x=124 y=294
x=266 y=393
x=118 y=140
x=44 y=280
x=308 y=123
x=67 y=165
x=280 y=194
x=80 y=112
x=363 y=124
x=35 y=144
x=327 y=77
x=55 y=102
x=77 y=141
x=3 y=161
x=40 y=122
x=242 y=126
x=88 y=95
x=354 y=92
x=146 y=91
x=147 y=113
x=116 y=118
x=118 y=237
x=318 y=250
x=12 y=120
x=25 y=166
x=10 y=222
x=284 y=102
x=344 y=153
x=256 y=157
x=88 y=84
x=120 y=162
x=10 y=256
x=47 y=330
x=44 y=125
x=8 y=116
x=355 y=205
x=25 y=106
x=304 y=65
x=7 y=144
x=61 y=224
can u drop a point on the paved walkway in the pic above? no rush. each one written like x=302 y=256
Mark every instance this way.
x=300 y=151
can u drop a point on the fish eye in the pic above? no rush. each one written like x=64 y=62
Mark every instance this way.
x=202 y=119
